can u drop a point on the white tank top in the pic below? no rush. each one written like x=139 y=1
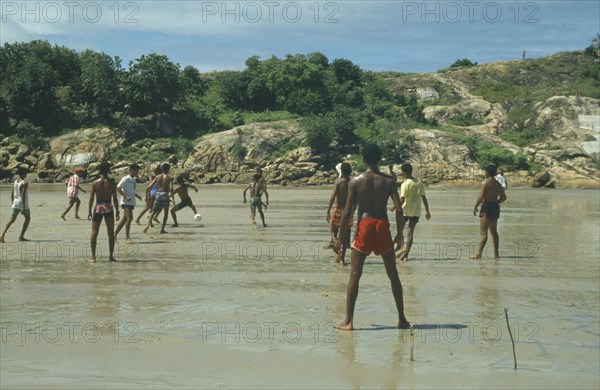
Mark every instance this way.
x=20 y=202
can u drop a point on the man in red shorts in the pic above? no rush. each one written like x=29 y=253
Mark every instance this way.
x=372 y=190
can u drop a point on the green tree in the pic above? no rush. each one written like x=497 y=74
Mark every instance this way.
x=152 y=84
x=99 y=82
x=192 y=82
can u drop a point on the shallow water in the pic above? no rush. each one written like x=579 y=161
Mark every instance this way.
x=221 y=303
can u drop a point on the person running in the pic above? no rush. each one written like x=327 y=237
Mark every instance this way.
x=104 y=191
x=340 y=194
x=72 y=191
x=371 y=191
x=412 y=192
x=186 y=201
x=490 y=197
x=126 y=189
x=19 y=197
x=256 y=191
x=151 y=192
x=262 y=183
x=164 y=183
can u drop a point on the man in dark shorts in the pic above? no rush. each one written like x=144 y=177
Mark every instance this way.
x=126 y=188
x=372 y=190
x=412 y=192
x=105 y=192
x=256 y=190
x=490 y=197
x=186 y=201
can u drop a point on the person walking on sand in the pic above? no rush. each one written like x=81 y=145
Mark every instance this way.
x=72 y=191
x=186 y=201
x=339 y=195
x=412 y=192
x=151 y=192
x=104 y=191
x=164 y=184
x=371 y=191
x=126 y=189
x=490 y=197
x=19 y=197
x=256 y=191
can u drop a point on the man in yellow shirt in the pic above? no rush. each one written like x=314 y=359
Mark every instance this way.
x=412 y=192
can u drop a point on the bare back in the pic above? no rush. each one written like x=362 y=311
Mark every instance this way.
x=372 y=190
x=492 y=191
x=164 y=182
x=342 y=191
x=104 y=190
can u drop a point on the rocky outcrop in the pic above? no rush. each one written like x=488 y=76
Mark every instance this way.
x=84 y=147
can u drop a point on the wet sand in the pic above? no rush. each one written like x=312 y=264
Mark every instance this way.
x=221 y=303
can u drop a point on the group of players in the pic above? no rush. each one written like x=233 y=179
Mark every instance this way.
x=368 y=193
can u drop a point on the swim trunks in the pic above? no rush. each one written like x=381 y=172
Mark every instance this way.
x=490 y=210
x=103 y=210
x=336 y=219
x=373 y=235
x=255 y=201
x=15 y=211
x=184 y=203
x=162 y=199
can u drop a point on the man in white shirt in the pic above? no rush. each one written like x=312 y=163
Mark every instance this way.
x=502 y=179
x=126 y=188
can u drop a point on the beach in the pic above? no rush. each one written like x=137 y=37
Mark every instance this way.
x=221 y=303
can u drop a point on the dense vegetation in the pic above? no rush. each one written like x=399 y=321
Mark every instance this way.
x=49 y=90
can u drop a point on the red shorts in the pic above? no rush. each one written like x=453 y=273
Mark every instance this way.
x=373 y=235
x=336 y=219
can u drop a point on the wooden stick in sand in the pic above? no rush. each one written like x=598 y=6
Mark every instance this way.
x=412 y=345
x=511 y=337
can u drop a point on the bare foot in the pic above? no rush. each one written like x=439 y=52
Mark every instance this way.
x=92 y=260
x=137 y=221
x=77 y=217
x=264 y=225
x=128 y=241
x=163 y=232
x=403 y=324
x=400 y=254
x=344 y=326
x=175 y=225
x=404 y=258
x=476 y=257
x=112 y=260
x=496 y=256
x=328 y=246
x=156 y=220
x=63 y=217
x=146 y=229
x=253 y=221
x=23 y=239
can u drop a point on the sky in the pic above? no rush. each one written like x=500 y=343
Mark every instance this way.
x=402 y=36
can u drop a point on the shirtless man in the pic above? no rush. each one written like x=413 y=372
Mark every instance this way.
x=186 y=201
x=165 y=188
x=104 y=190
x=340 y=193
x=256 y=191
x=490 y=197
x=372 y=190
x=151 y=192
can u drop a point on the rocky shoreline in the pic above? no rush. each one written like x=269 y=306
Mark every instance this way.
x=568 y=158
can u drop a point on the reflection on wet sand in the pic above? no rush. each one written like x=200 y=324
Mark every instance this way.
x=226 y=304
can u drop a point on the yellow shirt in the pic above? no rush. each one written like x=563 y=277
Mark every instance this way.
x=412 y=190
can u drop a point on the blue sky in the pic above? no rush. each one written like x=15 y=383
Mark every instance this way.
x=405 y=36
